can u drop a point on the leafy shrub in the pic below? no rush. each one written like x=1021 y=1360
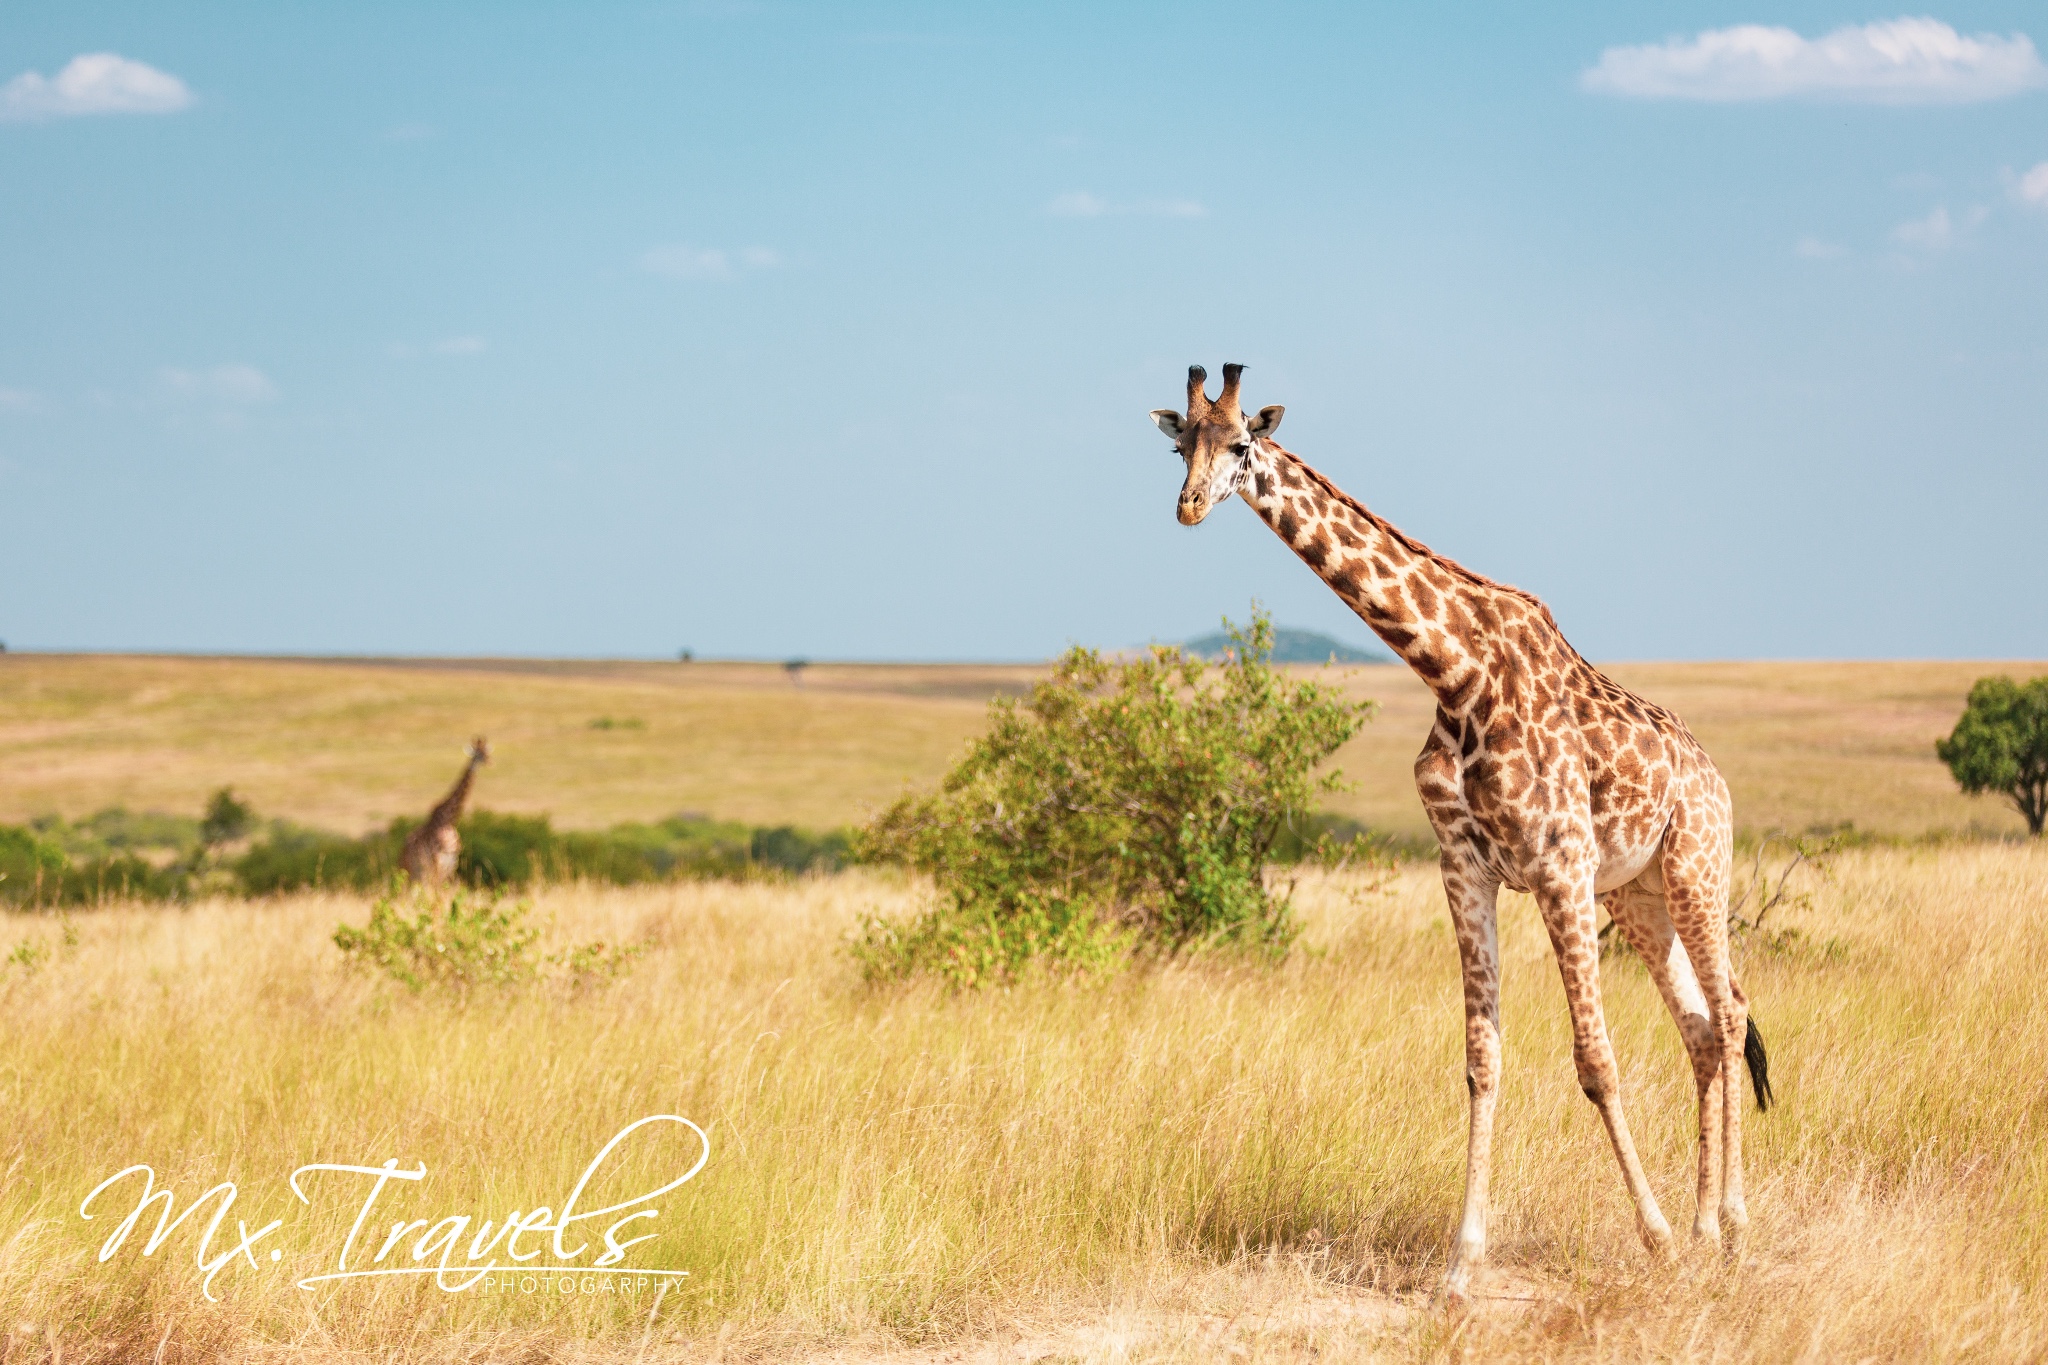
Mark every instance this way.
x=1122 y=806
x=293 y=857
x=36 y=873
x=27 y=864
x=506 y=850
x=796 y=850
x=467 y=943
x=119 y=830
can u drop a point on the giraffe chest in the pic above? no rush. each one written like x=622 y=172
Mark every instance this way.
x=1525 y=799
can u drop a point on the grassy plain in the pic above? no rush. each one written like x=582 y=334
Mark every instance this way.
x=1191 y=1163
x=349 y=744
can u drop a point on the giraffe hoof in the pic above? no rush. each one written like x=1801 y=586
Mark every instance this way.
x=1657 y=1241
x=1455 y=1296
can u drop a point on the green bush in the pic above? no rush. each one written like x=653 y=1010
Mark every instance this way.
x=468 y=942
x=293 y=857
x=119 y=830
x=1122 y=806
x=28 y=865
x=506 y=850
x=52 y=862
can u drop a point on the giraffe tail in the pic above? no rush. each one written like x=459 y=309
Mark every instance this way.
x=1759 y=1066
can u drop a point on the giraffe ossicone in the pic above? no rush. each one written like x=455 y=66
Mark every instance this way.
x=1541 y=774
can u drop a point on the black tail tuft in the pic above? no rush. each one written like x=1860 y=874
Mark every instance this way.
x=1759 y=1066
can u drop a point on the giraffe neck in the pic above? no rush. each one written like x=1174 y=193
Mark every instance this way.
x=450 y=809
x=1444 y=621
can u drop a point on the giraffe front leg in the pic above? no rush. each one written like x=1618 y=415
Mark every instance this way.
x=1472 y=901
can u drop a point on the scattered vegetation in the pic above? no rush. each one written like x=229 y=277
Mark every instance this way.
x=118 y=855
x=1122 y=806
x=469 y=941
x=2001 y=745
x=1206 y=1145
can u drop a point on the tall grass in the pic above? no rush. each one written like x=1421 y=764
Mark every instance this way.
x=1206 y=1143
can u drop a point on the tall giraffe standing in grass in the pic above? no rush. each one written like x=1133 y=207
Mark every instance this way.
x=1540 y=774
x=431 y=850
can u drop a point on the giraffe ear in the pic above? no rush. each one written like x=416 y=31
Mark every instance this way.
x=1266 y=423
x=1168 y=421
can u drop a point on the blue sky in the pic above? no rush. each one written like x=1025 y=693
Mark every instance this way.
x=830 y=330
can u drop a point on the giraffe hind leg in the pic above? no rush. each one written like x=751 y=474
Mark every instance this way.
x=1695 y=871
x=1567 y=906
x=1643 y=919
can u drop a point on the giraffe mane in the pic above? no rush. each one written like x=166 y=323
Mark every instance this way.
x=1415 y=546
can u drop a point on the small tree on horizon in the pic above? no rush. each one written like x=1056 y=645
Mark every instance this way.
x=2000 y=745
x=227 y=819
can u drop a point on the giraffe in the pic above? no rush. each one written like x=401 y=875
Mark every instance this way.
x=431 y=850
x=1540 y=774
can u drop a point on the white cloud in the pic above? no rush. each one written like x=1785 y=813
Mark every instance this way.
x=1081 y=204
x=1815 y=249
x=17 y=400
x=1938 y=231
x=94 y=83
x=681 y=261
x=231 y=385
x=1893 y=61
x=459 y=346
x=2031 y=187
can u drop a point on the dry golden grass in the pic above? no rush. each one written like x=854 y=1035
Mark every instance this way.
x=1174 y=1165
x=351 y=744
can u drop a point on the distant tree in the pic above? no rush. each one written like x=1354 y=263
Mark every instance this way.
x=227 y=819
x=2001 y=745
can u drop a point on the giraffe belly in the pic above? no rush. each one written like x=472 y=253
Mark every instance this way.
x=1619 y=868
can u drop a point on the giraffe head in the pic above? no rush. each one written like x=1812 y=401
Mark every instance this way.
x=1216 y=439
x=479 y=750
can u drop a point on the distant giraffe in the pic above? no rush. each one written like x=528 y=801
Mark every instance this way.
x=1540 y=774
x=431 y=850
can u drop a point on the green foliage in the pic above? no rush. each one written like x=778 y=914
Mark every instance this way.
x=36 y=873
x=227 y=819
x=466 y=943
x=1122 y=806
x=2001 y=745
x=27 y=864
x=292 y=857
x=501 y=850
x=506 y=850
x=119 y=830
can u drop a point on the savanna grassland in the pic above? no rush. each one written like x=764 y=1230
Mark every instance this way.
x=1215 y=1158
x=349 y=744
x=1187 y=1163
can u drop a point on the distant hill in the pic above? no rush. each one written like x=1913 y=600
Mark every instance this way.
x=1293 y=647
